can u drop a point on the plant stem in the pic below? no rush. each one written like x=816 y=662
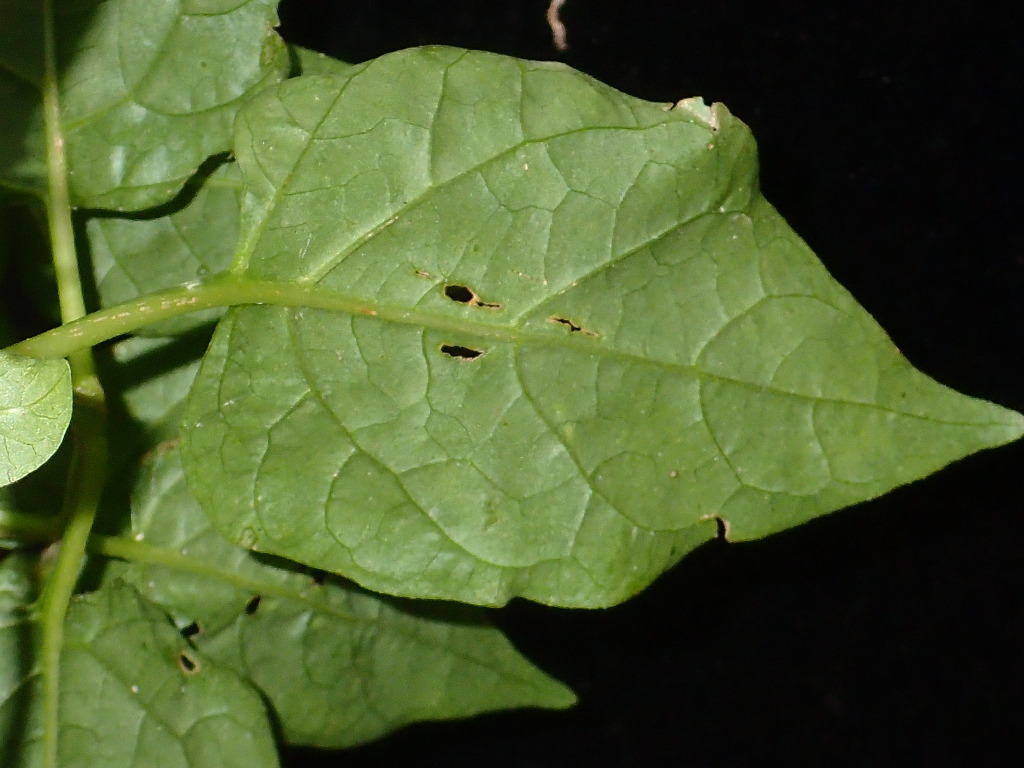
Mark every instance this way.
x=224 y=291
x=89 y=457
x=85 y=485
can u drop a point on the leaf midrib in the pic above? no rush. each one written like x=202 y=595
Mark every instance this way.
x=463 y=329
x=151 y=555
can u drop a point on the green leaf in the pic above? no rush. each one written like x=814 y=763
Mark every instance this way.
x=550 y=333
x=35 y=409
x=148 y=91
x=133 y=257
x=135 y=694
x=163 y=704
x=339 y=666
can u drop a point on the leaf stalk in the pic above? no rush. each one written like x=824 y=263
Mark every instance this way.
x=225 y=290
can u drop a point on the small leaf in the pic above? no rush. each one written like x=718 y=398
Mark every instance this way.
x=339 y=666
x=148 y=91
x=552 y=332
x=35 y=409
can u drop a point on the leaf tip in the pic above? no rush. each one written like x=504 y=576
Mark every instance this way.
x=1014 y=425
x=562 y=697
x=1005 y=425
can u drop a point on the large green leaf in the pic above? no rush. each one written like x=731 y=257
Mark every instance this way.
x=134 y=693
x=550 y=333
x=35 y=409
x=338 y=666
x=148 y=90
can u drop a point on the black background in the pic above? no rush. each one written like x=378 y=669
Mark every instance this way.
x=889 y=634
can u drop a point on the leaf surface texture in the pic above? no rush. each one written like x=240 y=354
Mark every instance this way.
x=553 y=332
x=134 y=693
x=338 y=665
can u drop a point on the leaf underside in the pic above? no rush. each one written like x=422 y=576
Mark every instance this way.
x=558 y=332
x=337 y=665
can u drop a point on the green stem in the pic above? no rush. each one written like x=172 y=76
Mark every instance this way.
x=224 y=291
x=85 y=485
x=89 y=457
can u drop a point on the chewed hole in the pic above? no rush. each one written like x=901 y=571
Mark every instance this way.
x=459 y=293
x=573 y=327
x=188 y=663
x=722 y=527
x=191 y=630
x=463 y=353
x=464 y=295
x=253 y=605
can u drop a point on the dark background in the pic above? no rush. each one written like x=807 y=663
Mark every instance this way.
x=889 y=634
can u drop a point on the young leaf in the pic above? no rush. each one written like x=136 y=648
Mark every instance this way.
x=149 y=91
x=544 y=334
x=339 y=666
x=35 y=409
